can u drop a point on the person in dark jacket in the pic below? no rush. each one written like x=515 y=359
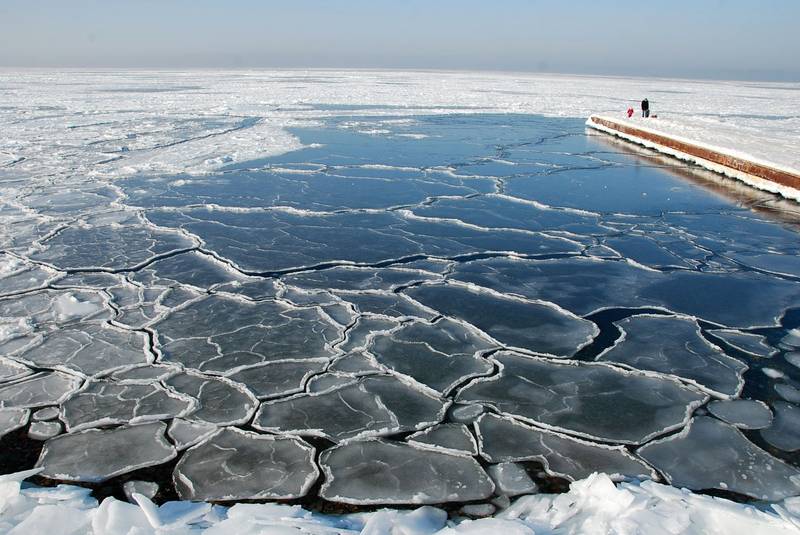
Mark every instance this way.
x=645 y=108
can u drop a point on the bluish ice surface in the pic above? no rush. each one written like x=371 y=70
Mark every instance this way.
x=405 y=292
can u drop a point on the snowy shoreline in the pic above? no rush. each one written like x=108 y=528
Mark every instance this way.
x=593 y=505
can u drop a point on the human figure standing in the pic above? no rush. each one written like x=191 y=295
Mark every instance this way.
x=645 y=108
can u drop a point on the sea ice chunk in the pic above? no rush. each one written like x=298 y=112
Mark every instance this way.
x=238 y=465
x=465 y=413
x=511 y=479
x=47 y=413
x=220 y=401
x=587 y=399
x=710 y=454
x=185 y=433
x=104 y=246
x=506 y=212
x=788 y=392
x=532 y=325
x=505 y=439
x=144 y=374
x=44 y=430
x=357 y=363
x=355 y=278
x=276 y=379
x=380 y=472
x=88 y=349
x=583 y=285
x=104 y=403
x=329 y=381
x=96 y=455
x=793 y=358
x=478 y=510
x=754 y=344
x=453 y=437
x=441 y=355
x=49 y=309
x=387 y=304
x=742 y=413
x=148 y=489
x=784 y=433
x=364 y=330
x=374 y=405
x=191 y=269
x=674 y=345
x=12 y=419
x=38 y=390
x=11 y=370
x=221 y=333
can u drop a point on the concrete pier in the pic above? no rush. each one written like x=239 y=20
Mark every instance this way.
x=761 y=175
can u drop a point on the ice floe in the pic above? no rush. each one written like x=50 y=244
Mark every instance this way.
x=38 y=390
x=742 y=413
x=754 y=344
x=371 y=406
x=589 y=400
x=96 y=455
x=784 y=433
x=102 y=403
x=536 y=326
x=13 y=419
x=441 y=355
x=452 y=437
x=675 y=346
x=376 y=471
x=503 y=439
x=511 y=479
x=235 y=333
x=722 y=458
x=220 y=401
x=237 y=465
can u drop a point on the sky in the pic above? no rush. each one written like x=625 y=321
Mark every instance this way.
x=728 y=39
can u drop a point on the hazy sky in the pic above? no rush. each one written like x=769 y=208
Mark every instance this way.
x=738 y=39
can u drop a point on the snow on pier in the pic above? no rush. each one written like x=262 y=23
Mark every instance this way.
x=753 y=171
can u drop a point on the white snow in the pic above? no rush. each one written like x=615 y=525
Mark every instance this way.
x=68 y=121
x=68 y=306
x=594 y=505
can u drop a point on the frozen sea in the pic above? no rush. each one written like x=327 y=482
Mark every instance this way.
x=348 y=290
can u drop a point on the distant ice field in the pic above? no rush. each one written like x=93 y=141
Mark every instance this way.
x=357 y=289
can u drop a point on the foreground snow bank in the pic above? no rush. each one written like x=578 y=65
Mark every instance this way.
x=593 y=505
